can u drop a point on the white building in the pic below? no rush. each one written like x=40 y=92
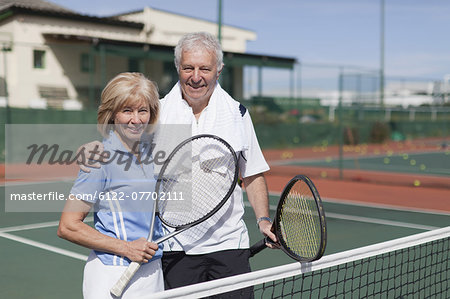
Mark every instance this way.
x=55 y=57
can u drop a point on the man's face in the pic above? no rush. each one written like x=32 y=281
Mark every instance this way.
x=198 y=75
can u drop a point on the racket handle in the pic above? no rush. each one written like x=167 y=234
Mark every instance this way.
x=121 y=284
x=257 y=247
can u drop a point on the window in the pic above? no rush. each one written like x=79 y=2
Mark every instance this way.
x=170 y=77
x=85 y=63
x=133 y=65
x=39 y=59
x=226 y=79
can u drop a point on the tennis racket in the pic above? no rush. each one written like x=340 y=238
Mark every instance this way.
x=299 y=222
x=203 y=170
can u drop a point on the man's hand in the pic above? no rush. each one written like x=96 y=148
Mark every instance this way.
x=265 y=227
x=90 y=155
x=141 y=250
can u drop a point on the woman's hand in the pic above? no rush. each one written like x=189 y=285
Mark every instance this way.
x=141 y=250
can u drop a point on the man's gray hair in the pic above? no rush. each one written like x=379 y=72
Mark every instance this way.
x=192 y=41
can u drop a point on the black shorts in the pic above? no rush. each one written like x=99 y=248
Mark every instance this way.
x=181 y=269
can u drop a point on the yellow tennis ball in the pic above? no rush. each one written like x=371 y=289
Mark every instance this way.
x=416 y=183
x=386 y=160
x=323 y=174
x=405 y=156
x=287 y=155
x=412 y=162
x=422 y=167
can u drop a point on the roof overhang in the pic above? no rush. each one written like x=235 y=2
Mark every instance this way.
x=13 y=10
x=165 y=53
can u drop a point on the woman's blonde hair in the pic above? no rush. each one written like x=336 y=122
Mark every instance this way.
x=123 y=89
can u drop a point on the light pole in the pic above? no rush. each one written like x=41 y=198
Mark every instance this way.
x=219 y=21
x=6 y=48
x=382 y=53
x=340 y=124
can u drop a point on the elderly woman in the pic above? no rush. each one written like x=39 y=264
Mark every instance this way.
x=129 y=107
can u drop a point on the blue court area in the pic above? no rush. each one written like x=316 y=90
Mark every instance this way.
x=37 y=264
x=430 y=163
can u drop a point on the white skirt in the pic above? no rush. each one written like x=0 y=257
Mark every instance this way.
x=98 y=279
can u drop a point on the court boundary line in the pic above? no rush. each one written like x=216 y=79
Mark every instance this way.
x=5 y=233
x=373 y=220
x=36 y=225
x=385 y=206
x=44 y=246
x=377 y=205
x=12 y=183
x=380 y=221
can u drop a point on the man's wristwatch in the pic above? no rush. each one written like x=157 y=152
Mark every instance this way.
x=261 y=219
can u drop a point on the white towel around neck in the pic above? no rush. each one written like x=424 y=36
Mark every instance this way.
x=222 y=119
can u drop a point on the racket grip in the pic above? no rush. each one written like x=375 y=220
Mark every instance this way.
x=257 y=247
x=121 y=284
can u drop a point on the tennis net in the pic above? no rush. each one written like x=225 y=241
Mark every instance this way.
x=411 y=267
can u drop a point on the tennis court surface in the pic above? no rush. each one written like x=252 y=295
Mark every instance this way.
x=36 y=264
x=39 y=265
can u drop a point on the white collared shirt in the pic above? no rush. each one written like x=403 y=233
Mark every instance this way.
x=226 y=229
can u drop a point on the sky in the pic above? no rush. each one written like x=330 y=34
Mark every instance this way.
x=323 y=32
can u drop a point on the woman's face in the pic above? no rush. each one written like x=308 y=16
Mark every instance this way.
x=131 y=121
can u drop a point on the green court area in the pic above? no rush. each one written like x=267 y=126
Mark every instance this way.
x=37 y=264
x=432 y=163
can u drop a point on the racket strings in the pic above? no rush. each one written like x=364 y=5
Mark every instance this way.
x=202 y=172
x=299 y=222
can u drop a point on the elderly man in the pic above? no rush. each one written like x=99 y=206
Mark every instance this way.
x=198 y=99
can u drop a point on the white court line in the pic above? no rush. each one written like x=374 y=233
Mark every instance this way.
x=28 y=183
x=376 y=205
x=368 y=220
x=379 y=221
x=4 y=233
x=385 y=206
x=44 y=246
x=35 y=225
